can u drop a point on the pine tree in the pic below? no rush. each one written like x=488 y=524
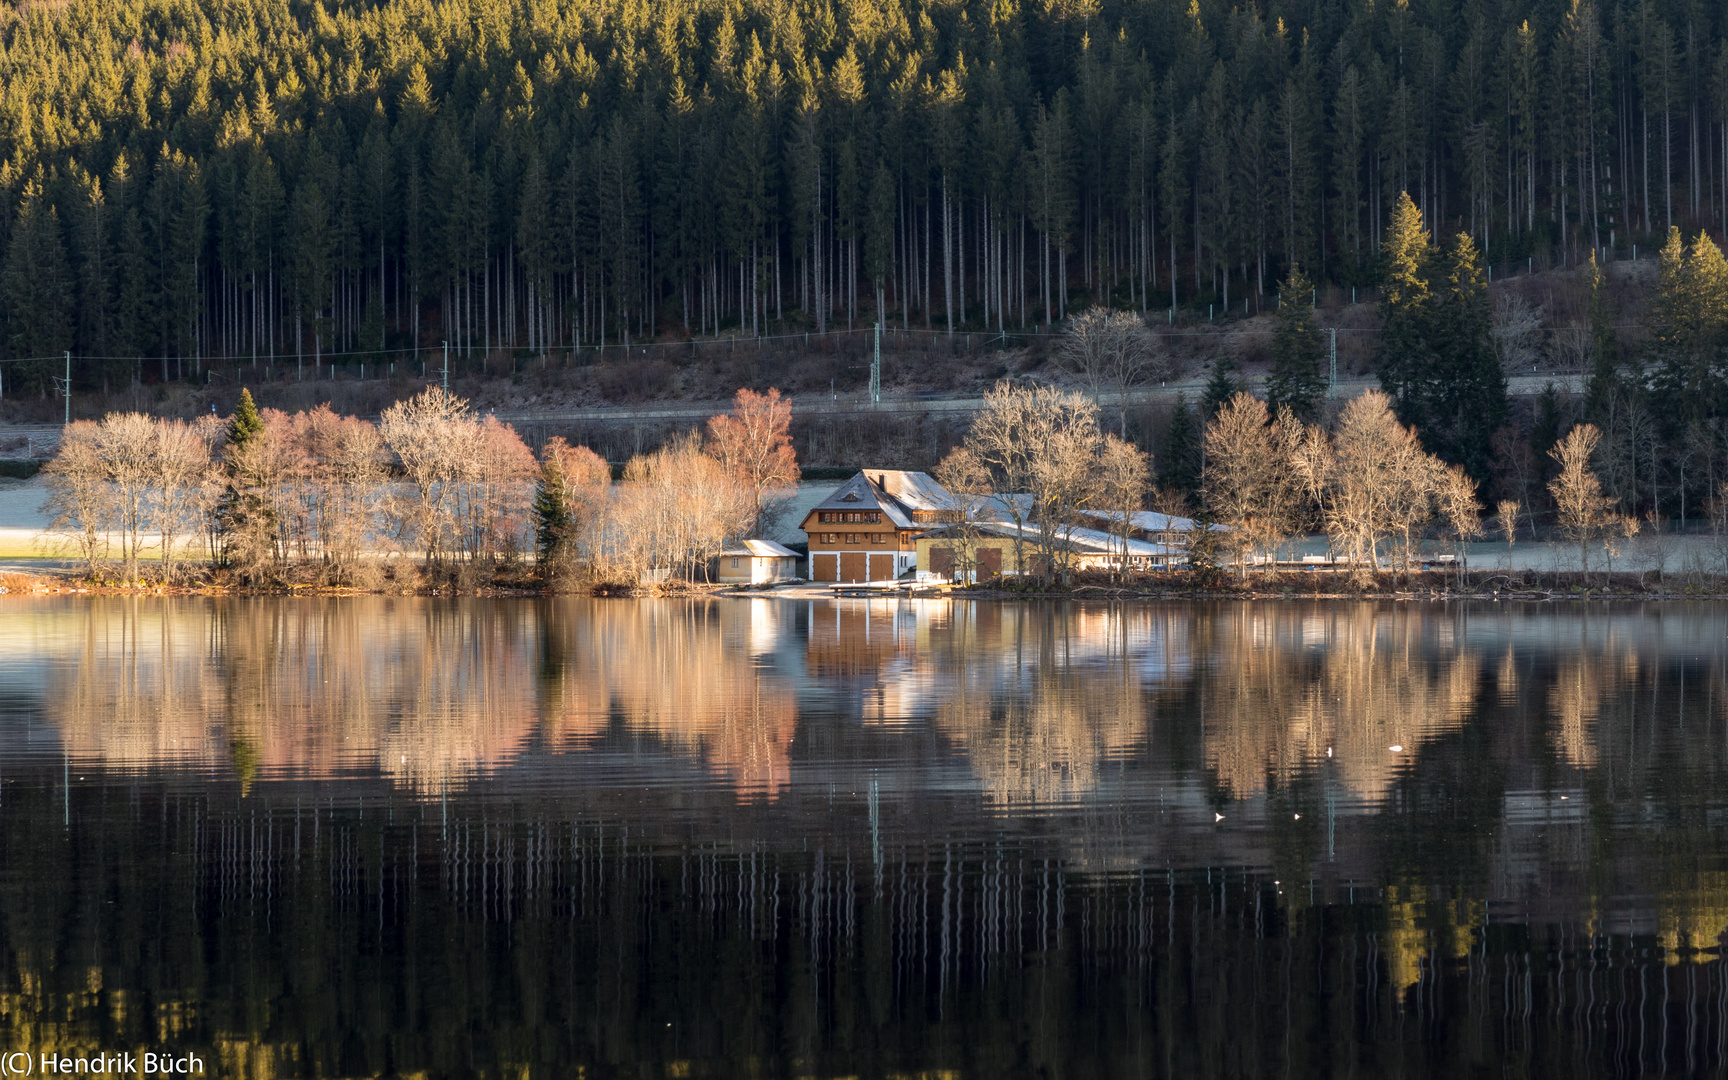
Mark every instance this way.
x=1298 y=352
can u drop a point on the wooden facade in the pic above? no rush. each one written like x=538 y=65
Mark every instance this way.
x=867 y=529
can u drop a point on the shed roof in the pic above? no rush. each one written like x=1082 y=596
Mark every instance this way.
x=1090 y=541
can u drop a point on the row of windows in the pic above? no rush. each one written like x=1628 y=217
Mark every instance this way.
x=835 y=517
x=879 y=539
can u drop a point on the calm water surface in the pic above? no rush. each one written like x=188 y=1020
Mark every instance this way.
x=513 y=838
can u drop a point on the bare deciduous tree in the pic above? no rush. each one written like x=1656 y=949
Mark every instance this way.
x=180 y=465
x=348 y=460
x=1516 y=331
x=754 y=443
x=433 y=435
x=1113 y=350
x=126 y=444
x=1241 y=462
x=1455 y=494
x=1507 y=511
x=1124 y=472
x=675 y=509
x=1580 y=507
x=1382 y=482
x=968 y=482
x=78 y=492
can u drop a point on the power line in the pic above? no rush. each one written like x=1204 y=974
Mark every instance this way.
x=1224 y=331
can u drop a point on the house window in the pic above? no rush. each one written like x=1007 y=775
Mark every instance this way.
x=734 y=562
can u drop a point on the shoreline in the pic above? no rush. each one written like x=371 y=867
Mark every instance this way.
x=1551 y=586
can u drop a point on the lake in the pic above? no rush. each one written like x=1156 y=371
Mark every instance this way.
x=901 y=838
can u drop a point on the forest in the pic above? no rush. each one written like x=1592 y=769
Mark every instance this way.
x=198 y=179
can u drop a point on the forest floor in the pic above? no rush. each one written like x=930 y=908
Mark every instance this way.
x=919 y=365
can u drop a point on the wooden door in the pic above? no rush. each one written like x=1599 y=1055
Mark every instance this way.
x=942 y=561
x=852 y=566
x=989 y=563
x=824 y=566
x=881 y=568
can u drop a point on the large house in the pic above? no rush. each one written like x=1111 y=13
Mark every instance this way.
x=866 y=529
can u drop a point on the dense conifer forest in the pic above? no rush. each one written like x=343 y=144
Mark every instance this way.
x=258 y=179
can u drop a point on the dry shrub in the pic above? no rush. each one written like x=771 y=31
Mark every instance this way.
x=21 y=583
x=634 y=379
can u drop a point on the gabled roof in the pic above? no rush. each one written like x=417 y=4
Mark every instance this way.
x=766 y=549
x=896 y=493
x=913 y=490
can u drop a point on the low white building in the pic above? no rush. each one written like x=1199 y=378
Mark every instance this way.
x=756 y=562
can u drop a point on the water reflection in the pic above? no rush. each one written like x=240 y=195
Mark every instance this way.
x=488 y=837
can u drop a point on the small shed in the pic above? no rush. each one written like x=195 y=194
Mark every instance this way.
x=755 y=562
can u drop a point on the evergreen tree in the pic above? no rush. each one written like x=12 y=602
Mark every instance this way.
x=1691 y=309
x=245 y=425
x=1220 y=387
x=245 y=519
x=1298 y=378
x=36 y=292
x=1436 y=357
x=1468 y=394
x=1604 y=348
x=552 y=517
x=1179 y=464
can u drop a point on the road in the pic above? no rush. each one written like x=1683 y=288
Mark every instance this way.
x=39 y=439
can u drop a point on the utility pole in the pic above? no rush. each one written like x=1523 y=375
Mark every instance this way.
x=66 y=388
x=876 y=369
x=446 y=367
x=1332 y=388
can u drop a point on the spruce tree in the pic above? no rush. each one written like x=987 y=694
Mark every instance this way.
x=552 y=519
x=1604 y=348
x=1298 y=378
x=1436 y=356
x=1403 y=359
x=1220 y=387
x=245 y=522
x=1691 y=311
x=1468 y=400
x=246 y=424
x=1179 y=464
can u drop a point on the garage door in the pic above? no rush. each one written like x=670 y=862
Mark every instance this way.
x=989 y=563
x=852 y=566
x=823 y=567
x=882 y=568
x=942 y=560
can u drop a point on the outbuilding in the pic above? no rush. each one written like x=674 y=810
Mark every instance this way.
x=756 y=562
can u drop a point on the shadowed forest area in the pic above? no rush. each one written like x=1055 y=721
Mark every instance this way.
x=197 y=180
